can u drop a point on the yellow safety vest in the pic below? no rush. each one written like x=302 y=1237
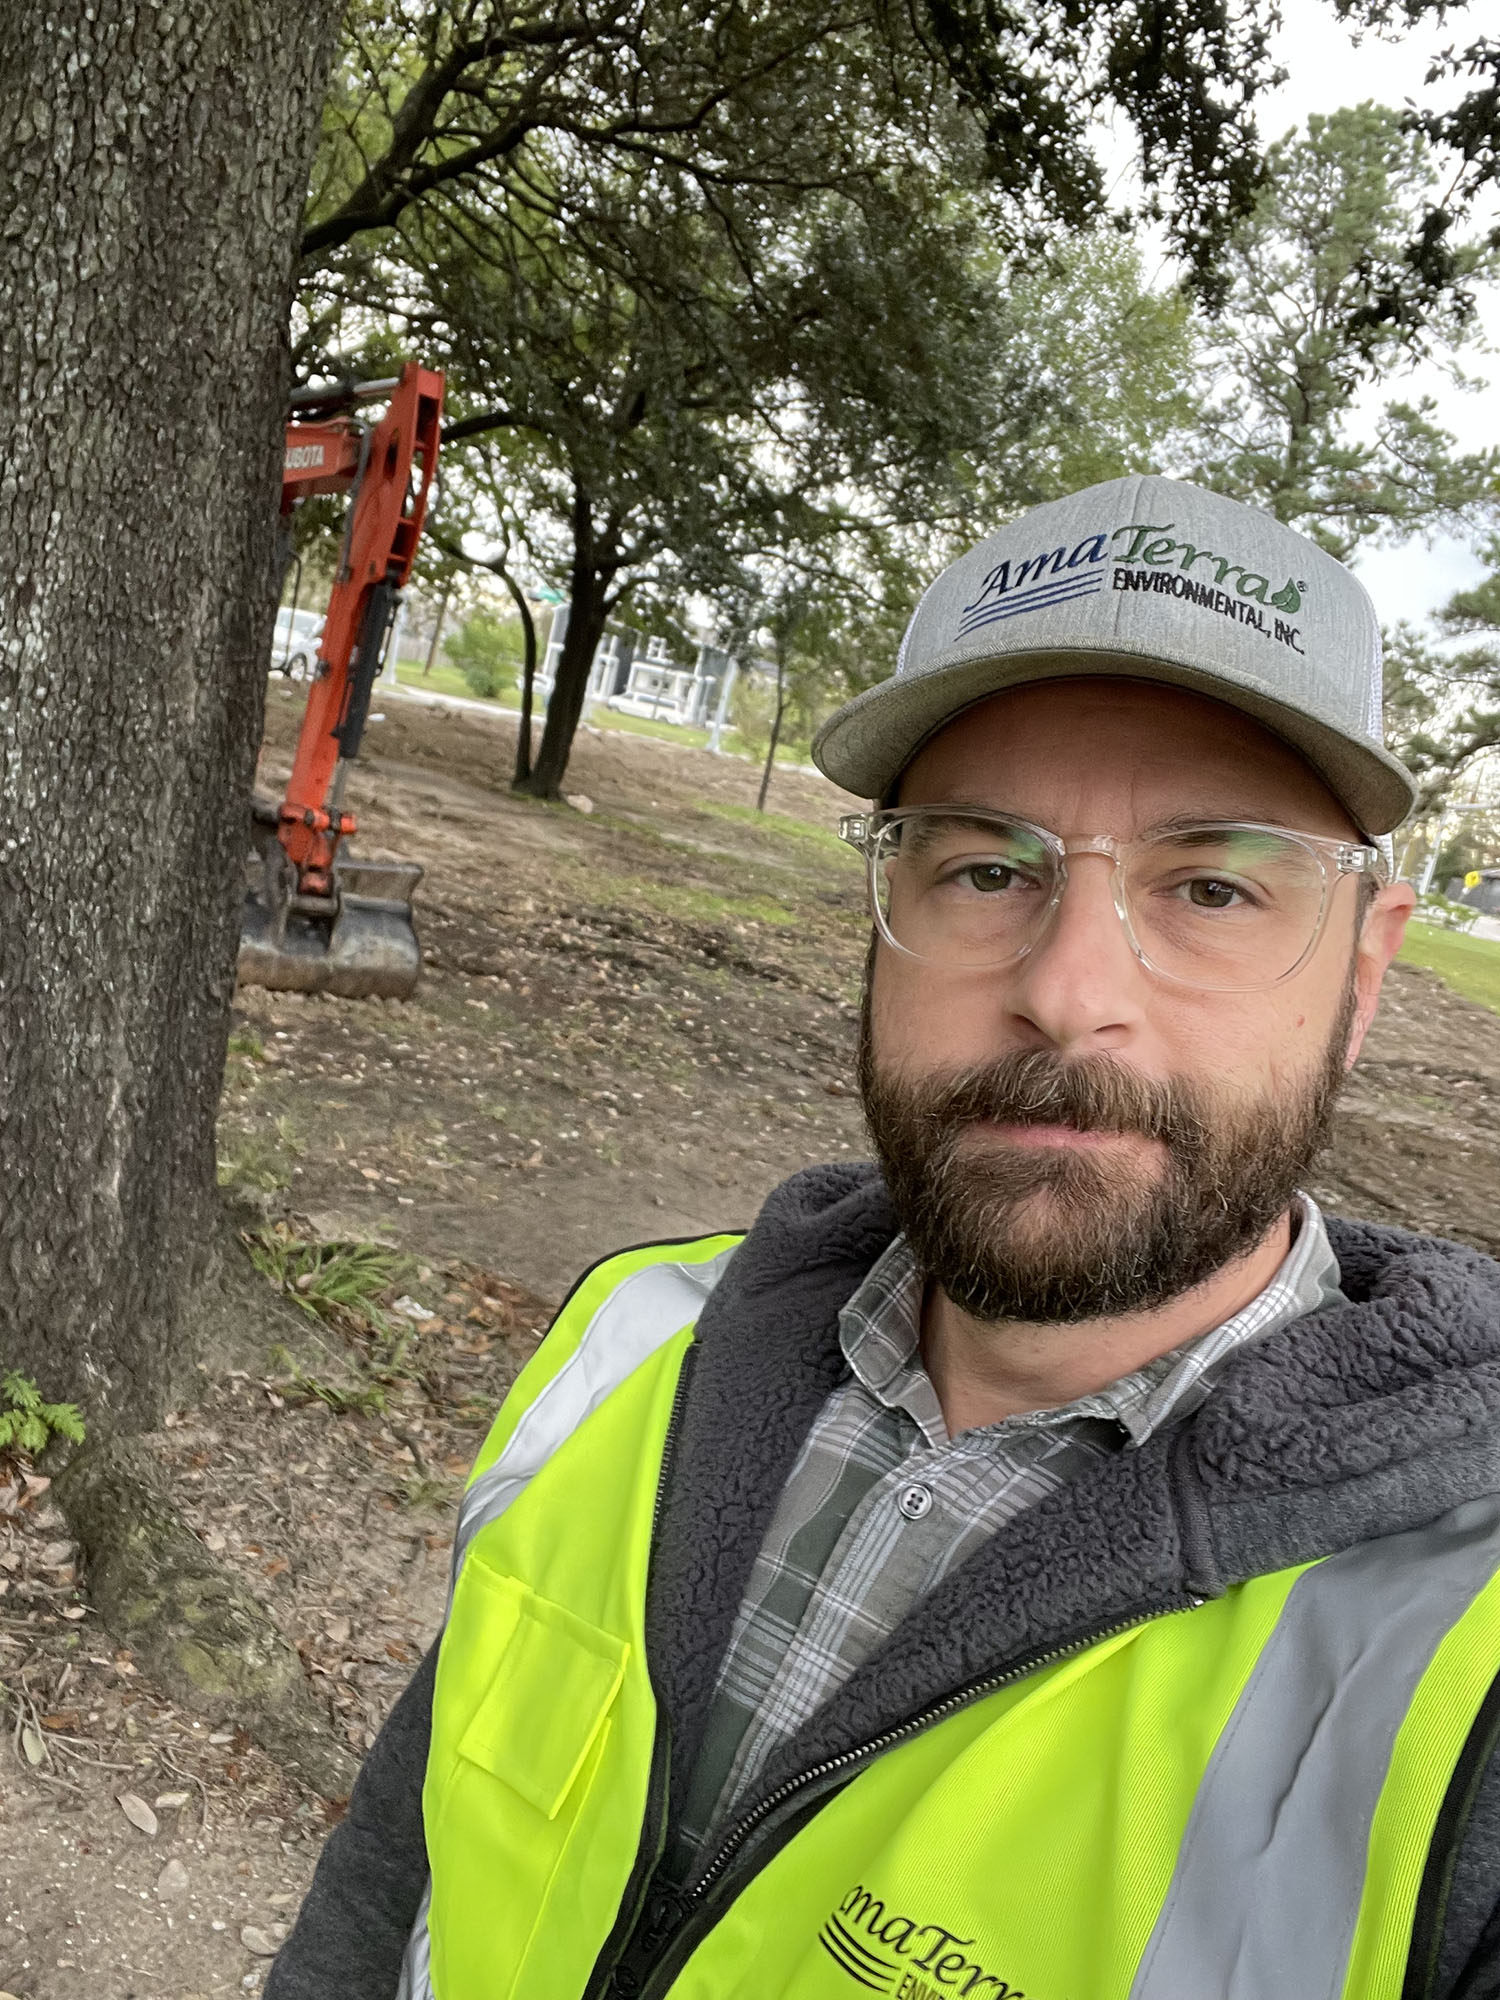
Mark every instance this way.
x=1234 y=1801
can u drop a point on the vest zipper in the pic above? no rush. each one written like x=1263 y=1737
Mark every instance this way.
x=698 y=1907
x=654 y=1820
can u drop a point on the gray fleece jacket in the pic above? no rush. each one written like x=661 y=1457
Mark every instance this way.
x=1364 y=1419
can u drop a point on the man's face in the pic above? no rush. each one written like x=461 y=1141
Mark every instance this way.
x=1072 y=1135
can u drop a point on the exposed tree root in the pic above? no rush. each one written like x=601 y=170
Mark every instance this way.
x=192 y=1627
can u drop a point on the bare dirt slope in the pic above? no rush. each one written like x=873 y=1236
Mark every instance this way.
x=633 y=1023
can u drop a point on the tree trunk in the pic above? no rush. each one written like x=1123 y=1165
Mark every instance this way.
x=586 y=621
x=776 y=720
x=528 y=680
x=437 y=632
x=154 y=161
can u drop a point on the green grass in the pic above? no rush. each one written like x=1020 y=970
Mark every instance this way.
x=445 y=679
x=603 y=717
x=442 y=680
x=252 y=1163
x=821 y=841
x=327 y=1280
x=689 y=904
x=1470 y=965
x=346 y=1286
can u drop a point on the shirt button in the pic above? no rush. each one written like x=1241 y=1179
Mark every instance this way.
x=914 y=1500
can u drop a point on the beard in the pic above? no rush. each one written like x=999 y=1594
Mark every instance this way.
x=1062 y=1235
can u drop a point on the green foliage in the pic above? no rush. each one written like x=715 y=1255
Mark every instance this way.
x=1300 y=337
x=1446 y=914
x=1442 y=703
x=361 y=1396
x=344 y=1283
x=485 y=649
x=253 y=1164
x=347 y=1286
x=27 y=1423
x=654 y=253
x=435 y=107
x=242 y=1059
x=1095 y=373
x=752 y=709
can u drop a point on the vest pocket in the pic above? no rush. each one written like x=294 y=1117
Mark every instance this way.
x=523 y=1724
x=547 y=1701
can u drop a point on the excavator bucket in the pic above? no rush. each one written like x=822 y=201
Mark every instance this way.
x=360 y=942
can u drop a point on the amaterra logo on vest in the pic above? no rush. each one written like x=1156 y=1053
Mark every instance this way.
x=885 y=1951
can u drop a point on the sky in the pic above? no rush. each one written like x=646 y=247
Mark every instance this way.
x=1328 y=67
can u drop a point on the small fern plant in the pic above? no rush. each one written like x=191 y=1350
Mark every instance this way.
x=27 y=1423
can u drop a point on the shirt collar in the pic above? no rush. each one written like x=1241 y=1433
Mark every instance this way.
x=879 y=1333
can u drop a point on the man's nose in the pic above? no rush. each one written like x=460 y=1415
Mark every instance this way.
x=1081 y=986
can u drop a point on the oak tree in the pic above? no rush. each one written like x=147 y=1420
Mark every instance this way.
x=154 y=161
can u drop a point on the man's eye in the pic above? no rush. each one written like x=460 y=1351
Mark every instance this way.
x=989 y=876
x=1213 y=892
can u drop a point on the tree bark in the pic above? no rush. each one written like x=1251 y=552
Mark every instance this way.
x=587 y=616
x=155 y=160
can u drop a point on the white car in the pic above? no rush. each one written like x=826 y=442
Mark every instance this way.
x=295 y=646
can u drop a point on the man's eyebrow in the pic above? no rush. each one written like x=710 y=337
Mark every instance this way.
x=1179 y=822
x=1174 y=823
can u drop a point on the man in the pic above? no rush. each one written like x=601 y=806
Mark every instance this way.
x=1059 y=1566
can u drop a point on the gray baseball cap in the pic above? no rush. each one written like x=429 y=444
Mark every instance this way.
x=1160 y=581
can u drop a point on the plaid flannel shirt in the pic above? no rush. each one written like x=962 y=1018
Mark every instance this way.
x=882 y=1503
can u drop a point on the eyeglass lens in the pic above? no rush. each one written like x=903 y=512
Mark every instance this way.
x=1226 y=907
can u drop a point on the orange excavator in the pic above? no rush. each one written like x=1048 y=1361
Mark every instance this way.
x=316 y=920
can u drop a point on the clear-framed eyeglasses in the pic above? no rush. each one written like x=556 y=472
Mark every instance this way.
x=1228 y=906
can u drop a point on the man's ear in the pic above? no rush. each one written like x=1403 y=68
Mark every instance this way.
x=1379 y=940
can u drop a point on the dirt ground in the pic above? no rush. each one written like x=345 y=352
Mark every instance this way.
x=634 y=1020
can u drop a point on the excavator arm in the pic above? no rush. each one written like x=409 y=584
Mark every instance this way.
x=316 y=919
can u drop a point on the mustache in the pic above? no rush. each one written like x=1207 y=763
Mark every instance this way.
x=1088 y=1094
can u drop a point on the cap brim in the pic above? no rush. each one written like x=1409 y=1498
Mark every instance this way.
x=870 y=741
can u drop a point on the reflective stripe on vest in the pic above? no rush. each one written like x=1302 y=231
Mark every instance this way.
x=1287 y=1805
x=1232 y=1802
x=639 y=1312
x=619 y=1314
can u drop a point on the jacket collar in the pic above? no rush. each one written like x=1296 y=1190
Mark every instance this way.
x=1363 y=1419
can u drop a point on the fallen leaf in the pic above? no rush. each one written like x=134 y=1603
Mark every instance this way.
x=338 y=1630
x=55 y=1554
x=31 y=1743
x=137 y=1811
x=170 y=1801
x=63 y=1718
x=257 y=1941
